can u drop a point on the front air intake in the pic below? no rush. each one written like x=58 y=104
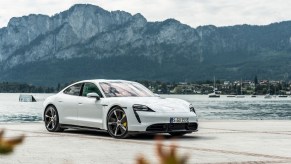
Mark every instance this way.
x=169 y=127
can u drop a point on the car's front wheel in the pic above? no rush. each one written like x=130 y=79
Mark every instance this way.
x=51 y=119
x=117 y=125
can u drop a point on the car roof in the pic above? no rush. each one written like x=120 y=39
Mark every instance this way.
x=103 y=80
x=96 y=81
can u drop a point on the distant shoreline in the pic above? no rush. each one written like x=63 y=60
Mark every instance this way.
x=30 y=93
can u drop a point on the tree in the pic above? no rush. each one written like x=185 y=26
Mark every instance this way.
x=164 y=88
x=256 y=80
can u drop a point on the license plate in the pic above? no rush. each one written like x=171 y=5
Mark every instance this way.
x=179 y=120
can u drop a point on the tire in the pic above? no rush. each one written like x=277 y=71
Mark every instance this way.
x=117 y=125
x=51 y=119
x=177 y=134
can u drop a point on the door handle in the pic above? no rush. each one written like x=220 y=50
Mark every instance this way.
x=80 y=103
x=60 y=101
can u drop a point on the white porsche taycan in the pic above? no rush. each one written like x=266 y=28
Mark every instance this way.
x=120 y=107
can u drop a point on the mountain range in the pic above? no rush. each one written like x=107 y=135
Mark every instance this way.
x=86 y=42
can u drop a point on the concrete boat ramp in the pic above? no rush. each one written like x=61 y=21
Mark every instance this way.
x=217 y=142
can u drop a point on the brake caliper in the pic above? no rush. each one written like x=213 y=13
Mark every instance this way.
x=125 y=123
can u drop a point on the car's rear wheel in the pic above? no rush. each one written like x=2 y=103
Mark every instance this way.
x=177 y=134
x=51 y=119
x=117 y=125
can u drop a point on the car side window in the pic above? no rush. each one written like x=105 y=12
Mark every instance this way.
x=91 y=88
x=74 y=90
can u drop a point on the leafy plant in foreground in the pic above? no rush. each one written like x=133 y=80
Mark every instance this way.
x=165 y=156
x=7 y=145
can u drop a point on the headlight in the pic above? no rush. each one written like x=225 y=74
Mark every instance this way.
x=191 y=107
x=138 y=107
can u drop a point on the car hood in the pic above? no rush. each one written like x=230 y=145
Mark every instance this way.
x=158 y=104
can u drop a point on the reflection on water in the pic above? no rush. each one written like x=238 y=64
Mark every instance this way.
x=247 y=108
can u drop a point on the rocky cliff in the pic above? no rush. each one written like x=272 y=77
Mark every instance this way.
x=87 y=41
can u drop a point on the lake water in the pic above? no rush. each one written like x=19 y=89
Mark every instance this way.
x=226 y=108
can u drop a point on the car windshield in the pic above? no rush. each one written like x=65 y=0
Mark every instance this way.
x=125 y=89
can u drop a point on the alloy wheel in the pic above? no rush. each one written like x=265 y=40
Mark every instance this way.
x=50 y=118
x=117 y=123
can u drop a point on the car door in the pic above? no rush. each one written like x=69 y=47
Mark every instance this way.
x=67 y=104
x=90 y=109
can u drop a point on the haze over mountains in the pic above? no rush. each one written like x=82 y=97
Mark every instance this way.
x=88 y=42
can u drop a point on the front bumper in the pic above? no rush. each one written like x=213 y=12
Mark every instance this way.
x=160 y=122
x=172 y=127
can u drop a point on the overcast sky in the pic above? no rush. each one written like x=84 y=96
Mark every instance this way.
x=191 y=12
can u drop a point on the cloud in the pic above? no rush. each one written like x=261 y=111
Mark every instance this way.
x=191 y=12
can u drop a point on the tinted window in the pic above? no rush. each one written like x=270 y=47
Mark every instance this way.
x=74 y=90
x=91 y=88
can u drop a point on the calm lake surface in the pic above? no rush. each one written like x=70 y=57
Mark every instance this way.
x=226 y=108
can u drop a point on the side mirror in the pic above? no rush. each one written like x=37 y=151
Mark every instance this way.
x=93 y=95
